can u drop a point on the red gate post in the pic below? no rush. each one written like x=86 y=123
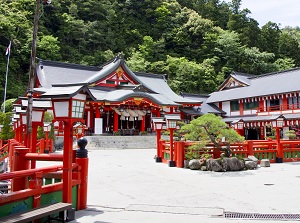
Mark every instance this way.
x=67 y=162
x=83 y=161
x=180 y=153
x=20 y=163
x=160 y=148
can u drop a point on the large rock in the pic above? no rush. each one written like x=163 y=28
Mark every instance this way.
x=194 y=164
x=250 y=164
x=225 y=164
x=214 y=165
x=232 y=164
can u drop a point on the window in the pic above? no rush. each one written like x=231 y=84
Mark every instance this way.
x=234 y=105
x=250 y=105
x=110 y=82
x=274 y=104
x=123 y=83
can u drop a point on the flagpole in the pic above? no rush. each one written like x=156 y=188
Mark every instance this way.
x=6 y=76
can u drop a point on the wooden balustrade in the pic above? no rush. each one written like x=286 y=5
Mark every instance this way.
x=261 y=149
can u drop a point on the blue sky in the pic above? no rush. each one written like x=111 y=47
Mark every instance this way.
x=285 y=12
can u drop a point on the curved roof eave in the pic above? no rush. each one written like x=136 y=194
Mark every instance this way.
x=120 y=96
x=66 y=91
x=111 y=67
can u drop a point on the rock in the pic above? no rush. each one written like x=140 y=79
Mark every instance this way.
x=203 y=168
x=265 y=163
x=250 y=164
x=194 y=164
x=213 y=165
x=253 y=158
x=232 y=164
x=186 y=164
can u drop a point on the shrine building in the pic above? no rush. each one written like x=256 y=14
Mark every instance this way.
x=117 y=99
x=257 y=101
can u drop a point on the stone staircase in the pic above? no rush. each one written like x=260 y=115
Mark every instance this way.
x=121 y=142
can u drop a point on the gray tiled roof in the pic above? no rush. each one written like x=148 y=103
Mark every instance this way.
x=159 y=84
x=123 y=94
x=205 y=108
x=64 y=73
x=155 y=86
x=253 y=118
x=62 y=91
x=262 y=85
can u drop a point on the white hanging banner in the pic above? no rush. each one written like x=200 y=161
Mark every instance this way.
x=98 y=126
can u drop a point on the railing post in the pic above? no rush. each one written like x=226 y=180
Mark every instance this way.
x=83 y=161
x=180 y=153
x=36 y=183
x=250 y=148
x=161 y=145
x=158 y=148
x=20 y=163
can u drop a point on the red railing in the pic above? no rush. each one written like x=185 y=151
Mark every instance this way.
x=279 y=108
x=261 y=149
x=26 y=182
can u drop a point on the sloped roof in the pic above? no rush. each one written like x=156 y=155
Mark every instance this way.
x=261 y=85
x=63 y=75
x=205 y=108
x=123 y=94
x=158 y=83
x=255 y=118
x=241 y=78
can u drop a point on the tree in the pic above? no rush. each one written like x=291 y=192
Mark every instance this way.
x=211 y=128
x=7 y=131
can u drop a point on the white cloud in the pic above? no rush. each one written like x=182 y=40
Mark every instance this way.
x=285 y=12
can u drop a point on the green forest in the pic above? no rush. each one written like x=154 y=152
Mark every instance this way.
x=196 y=43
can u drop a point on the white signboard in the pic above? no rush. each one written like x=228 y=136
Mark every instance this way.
x=98 y=126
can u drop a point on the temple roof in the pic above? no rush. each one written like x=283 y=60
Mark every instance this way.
x=261 y=85
x=58 y=78
x=205 y=108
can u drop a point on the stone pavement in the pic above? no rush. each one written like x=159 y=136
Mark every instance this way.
x=128 y=186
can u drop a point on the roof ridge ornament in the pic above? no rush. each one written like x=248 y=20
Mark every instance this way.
x=120 y=56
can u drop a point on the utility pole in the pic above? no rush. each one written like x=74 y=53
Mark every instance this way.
x=31 y=77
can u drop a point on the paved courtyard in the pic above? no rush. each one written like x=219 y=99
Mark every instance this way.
x=128 y=186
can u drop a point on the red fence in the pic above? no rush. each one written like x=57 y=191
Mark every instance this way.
x=36 y=184
x=286 y=151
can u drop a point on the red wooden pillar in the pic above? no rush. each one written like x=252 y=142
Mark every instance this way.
x=98 y=114
x=180 y=153
x=158 y=148
x=250 y=148
x=20 y=163
x=83 y=188
x=67 y=162
x=91 y=116
x=160 y=145
x=36 y=183
x=116 y=121
x=279 y=147
x=241 y=107
x=171 y=161
x=262 y=105
x=143 y=123
x=284 y=103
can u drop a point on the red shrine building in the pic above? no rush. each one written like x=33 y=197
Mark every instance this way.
x=120 y=100
x=257 y=101
x=116 y=98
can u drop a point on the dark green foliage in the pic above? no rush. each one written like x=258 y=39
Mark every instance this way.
x=208 y=39
x=7 y=131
